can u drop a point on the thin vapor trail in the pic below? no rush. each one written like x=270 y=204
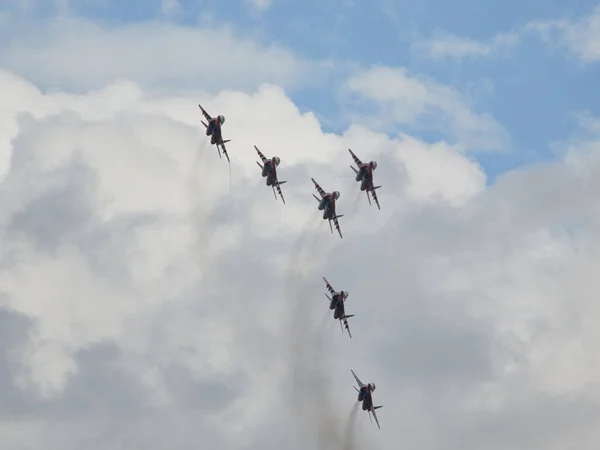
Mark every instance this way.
x=229 y=165
x=357 y=195
x=227 y=305
x=199 y=204
x=349 y=436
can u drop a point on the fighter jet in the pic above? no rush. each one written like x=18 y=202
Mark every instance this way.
x=365 y=395
x=364 y=174
x=214 y=130
x=336 y=303
x=327 y=205
x=269 y=170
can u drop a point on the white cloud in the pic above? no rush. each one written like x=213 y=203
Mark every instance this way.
x=261 y=4
x=82 y=54
x=169 y=7
x=581 y=37
x=589 y=123
x=143 y=305
x=422 y=103
x=446 y=45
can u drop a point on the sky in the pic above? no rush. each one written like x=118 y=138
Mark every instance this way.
x=152 y=297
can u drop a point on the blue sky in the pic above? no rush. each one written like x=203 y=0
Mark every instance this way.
x=531 y=89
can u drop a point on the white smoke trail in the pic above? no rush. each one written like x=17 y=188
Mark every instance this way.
x=310 y=387
x=199 y=201
x=349 y=437
x=357 y=197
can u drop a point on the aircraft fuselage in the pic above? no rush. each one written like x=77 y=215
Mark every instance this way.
x=214 y=131
x=365 y=176
x=362 y=172
x=365 y=398
x=270 y=171
x=327 y=205
x=336 y=301
x=339 y=311
x=267 y=169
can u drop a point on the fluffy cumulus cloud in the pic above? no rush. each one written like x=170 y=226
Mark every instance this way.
x=148 y=300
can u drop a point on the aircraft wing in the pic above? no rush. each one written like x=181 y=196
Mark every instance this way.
x=280 y=194
x=347 y=326
x=355 y=158
x=374 y=413
x=329 y=288
x=360 y=383
x=262 y=157
x=322 y=193
x=374 y=194
x=224 y=151
x=205 y=114
x=337 y=225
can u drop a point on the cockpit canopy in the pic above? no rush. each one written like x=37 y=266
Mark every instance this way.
x=345 y=294
x=374 y=164
x=336 y=194
x=277 y=161
x=221 y=120
x=373 y=387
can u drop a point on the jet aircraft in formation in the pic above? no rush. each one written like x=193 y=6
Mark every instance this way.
x=327 y=204
x=269 y=170
x=365 y=395
x=364 y=174
x=336 y=303
x=214 y=130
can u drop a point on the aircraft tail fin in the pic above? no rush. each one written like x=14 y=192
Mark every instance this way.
x=376 y=187
x=337 y=217
x=316 y=198
x=279 y=183
x=225 y=142
x=355 y=171
x=377 y=407
x=349 y=315
x=259 y=164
